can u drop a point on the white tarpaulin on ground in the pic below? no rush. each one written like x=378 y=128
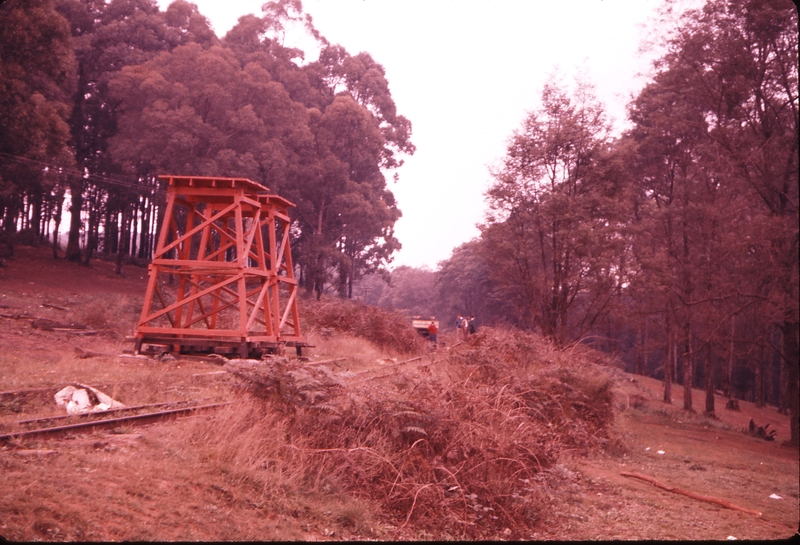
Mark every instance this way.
x=79 y=398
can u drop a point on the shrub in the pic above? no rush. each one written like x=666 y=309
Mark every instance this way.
x=389 y=330
x=461 y=447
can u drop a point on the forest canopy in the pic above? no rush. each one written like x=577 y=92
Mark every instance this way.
x=673 y=246
x=101 y=97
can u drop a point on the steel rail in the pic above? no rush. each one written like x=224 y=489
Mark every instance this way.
x=109 y=422
x=116 y=410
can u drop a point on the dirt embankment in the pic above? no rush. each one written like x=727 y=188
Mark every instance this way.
x=503 y=437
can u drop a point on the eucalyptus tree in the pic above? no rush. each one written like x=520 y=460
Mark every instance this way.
x=723 y=108
x=248 y=107
x=37 y=70
x=553 y=223
x=747 y=82
x=345 y=212
x=107 y=37
x=464 y=287
x=197 y=110
x=410 y=289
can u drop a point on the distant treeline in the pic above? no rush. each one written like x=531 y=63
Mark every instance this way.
x=673 y=246
x=98 y=98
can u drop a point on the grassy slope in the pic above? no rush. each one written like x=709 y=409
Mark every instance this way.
x=502 y=437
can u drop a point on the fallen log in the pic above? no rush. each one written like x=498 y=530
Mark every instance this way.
x=210 y=373
x=402 y=362
x=710 y=499
x=323 y=362
x=23 y=316
x=386 y=367
x=46 y=324
x=82 y=354
x=75 y=331
x=390 y=365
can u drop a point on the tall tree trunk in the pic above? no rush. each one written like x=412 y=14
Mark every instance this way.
x=44 y=221
x=774 y=396
x=688 y=370
x=108 y=233
x=113 y=232
x=641 y=360
x=731 y=355
x=57 y=222
x=76 y=204
x=158 y=213
x=26 y=209
x=143 y=243
x=791 y=352
x=134 y=226
x=350 y=278
x=91 y=230
x=155 y=216
x=121 y=246
x=35 y=202
x=9 y=227
x=783 y=403
x=669 y=361
x=709 y=382
x=758 y=385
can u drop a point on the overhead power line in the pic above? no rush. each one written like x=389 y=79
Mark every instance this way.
x=96 y=178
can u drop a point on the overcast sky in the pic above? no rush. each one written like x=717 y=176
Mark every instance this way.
x=465 y=73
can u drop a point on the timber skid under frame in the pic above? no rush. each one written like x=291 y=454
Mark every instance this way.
x=221 y=279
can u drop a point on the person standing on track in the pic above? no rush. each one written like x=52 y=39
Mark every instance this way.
x=432 y=330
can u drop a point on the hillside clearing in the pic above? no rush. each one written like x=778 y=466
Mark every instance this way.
x=535 y=440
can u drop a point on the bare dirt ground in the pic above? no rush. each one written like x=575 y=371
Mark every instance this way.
x=688 y=451
x=149 y=483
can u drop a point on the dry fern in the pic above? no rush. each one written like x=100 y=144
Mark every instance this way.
x=459 y=449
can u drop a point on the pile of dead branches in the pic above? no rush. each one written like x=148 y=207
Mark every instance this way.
x=465 y=445
x=386 y=329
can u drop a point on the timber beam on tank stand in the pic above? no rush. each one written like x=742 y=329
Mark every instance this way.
x=221 y=279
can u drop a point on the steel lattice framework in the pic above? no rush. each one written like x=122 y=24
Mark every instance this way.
x=221 y=278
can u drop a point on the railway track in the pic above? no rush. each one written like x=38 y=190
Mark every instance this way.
x=107 y=419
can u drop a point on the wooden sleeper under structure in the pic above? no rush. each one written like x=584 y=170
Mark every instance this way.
x=221 y=279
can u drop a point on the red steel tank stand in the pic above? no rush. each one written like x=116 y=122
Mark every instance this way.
x=226 y=241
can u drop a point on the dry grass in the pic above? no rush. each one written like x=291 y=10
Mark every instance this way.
x=463 y=443
x=461 y=447
x=114 y=318
x=388 y=330
x=360 y=354
x=250 y=446
x=483 y=440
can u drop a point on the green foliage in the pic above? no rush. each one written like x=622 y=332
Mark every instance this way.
x=147 y=92
x=37 y=68
x=247 y=108
x=552 y=236
x=677 y=242
x=412 y=290
x=464 y=286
